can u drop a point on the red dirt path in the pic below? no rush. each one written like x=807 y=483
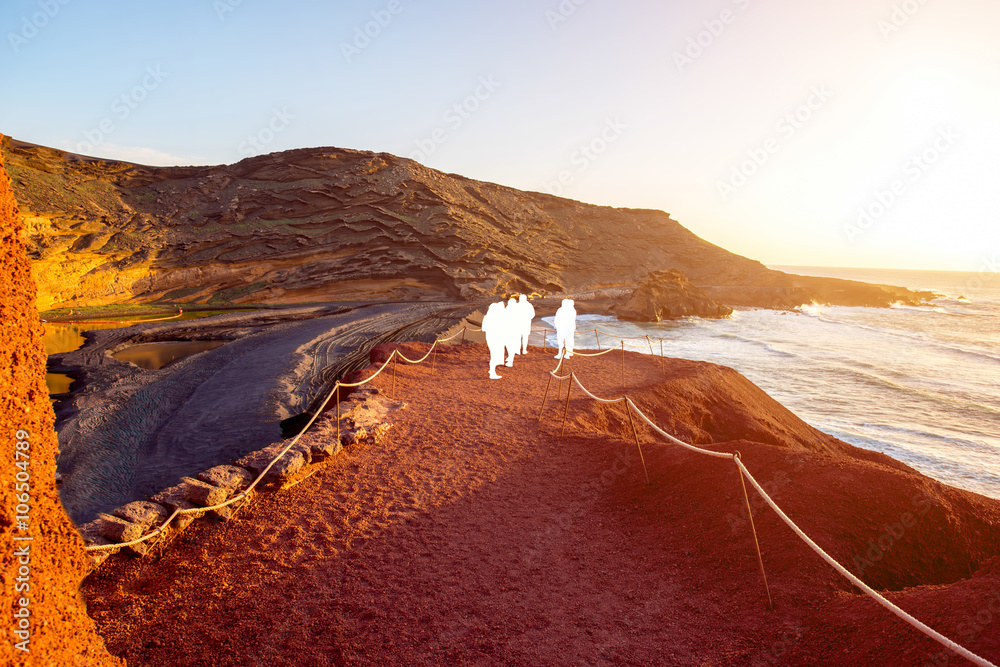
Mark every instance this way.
x=477 y=535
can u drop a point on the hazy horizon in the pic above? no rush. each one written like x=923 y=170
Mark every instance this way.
x=789 y=133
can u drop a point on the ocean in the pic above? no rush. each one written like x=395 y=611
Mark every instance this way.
x=921 y=384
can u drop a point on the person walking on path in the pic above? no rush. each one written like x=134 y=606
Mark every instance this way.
x=496 y=337
x=526 y=313
x=565 y=323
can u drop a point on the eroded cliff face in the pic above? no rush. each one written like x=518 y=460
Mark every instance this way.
x=326 y=224
x=43 y=558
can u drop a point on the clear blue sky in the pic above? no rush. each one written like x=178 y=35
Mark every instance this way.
x=851 y=133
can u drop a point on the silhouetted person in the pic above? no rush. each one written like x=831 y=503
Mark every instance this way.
x=493 y=327
x=565 y=322
x=513 y=339
x=525 y=313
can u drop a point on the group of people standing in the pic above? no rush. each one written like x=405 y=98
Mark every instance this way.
x=507 y=329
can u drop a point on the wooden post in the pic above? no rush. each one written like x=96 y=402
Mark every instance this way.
x=336 y=389
x=393 y=392
x=650 y=343
x=463 y=334
x=635 y=435
x=598 y=334
x=753 y=528
x=623 y=365
x=566 y=410
x=661 y=356
x=544 y=396
x=434 y=356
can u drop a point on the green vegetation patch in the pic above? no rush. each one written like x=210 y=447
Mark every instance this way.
x=228 y=295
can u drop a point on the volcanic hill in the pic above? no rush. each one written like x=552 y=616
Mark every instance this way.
x=325 y=224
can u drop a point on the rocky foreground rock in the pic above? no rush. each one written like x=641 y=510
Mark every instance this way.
x=669 y=295
x=42 y=563
x=326 y=224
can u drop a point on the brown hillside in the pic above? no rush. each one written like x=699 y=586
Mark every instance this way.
x=323 y=224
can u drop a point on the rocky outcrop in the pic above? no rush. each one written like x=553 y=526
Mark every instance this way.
x=43 y=559
x=669 y=295
x=327 y=224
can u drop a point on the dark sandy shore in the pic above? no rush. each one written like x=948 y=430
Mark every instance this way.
x=129 y=432
x=477 y=535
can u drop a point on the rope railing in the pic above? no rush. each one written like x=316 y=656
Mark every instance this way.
x=745 y=474
x=245 y=493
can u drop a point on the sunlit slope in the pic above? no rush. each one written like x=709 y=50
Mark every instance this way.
x=325 y=224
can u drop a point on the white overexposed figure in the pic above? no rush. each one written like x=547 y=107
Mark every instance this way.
x=513 y=333
x=565 y=321
x=526 y=313
x=493 y=327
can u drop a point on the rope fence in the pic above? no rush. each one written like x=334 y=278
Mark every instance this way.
x=745 y=475
x=629 y=407
x=245 y=493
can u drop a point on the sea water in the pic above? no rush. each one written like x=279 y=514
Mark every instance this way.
x=921 y=384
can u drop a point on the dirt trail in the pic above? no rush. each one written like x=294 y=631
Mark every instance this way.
x=478 y=535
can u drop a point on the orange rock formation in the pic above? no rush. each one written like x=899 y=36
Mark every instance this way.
x=46 y=620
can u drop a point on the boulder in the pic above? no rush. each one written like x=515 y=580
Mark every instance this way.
x=229 y=477
x=668 y=295
x=283 y=468
x=120 y=530
x=146 y=514
x=204 y=494
x=176 y=498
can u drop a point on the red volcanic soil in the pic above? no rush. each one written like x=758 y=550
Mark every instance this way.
x=477 y=534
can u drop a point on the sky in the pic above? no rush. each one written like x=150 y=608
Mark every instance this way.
x=856 y=133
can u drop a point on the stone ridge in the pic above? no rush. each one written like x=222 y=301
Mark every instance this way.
x=364 y=418
x=327 y=224
x=668 y=295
